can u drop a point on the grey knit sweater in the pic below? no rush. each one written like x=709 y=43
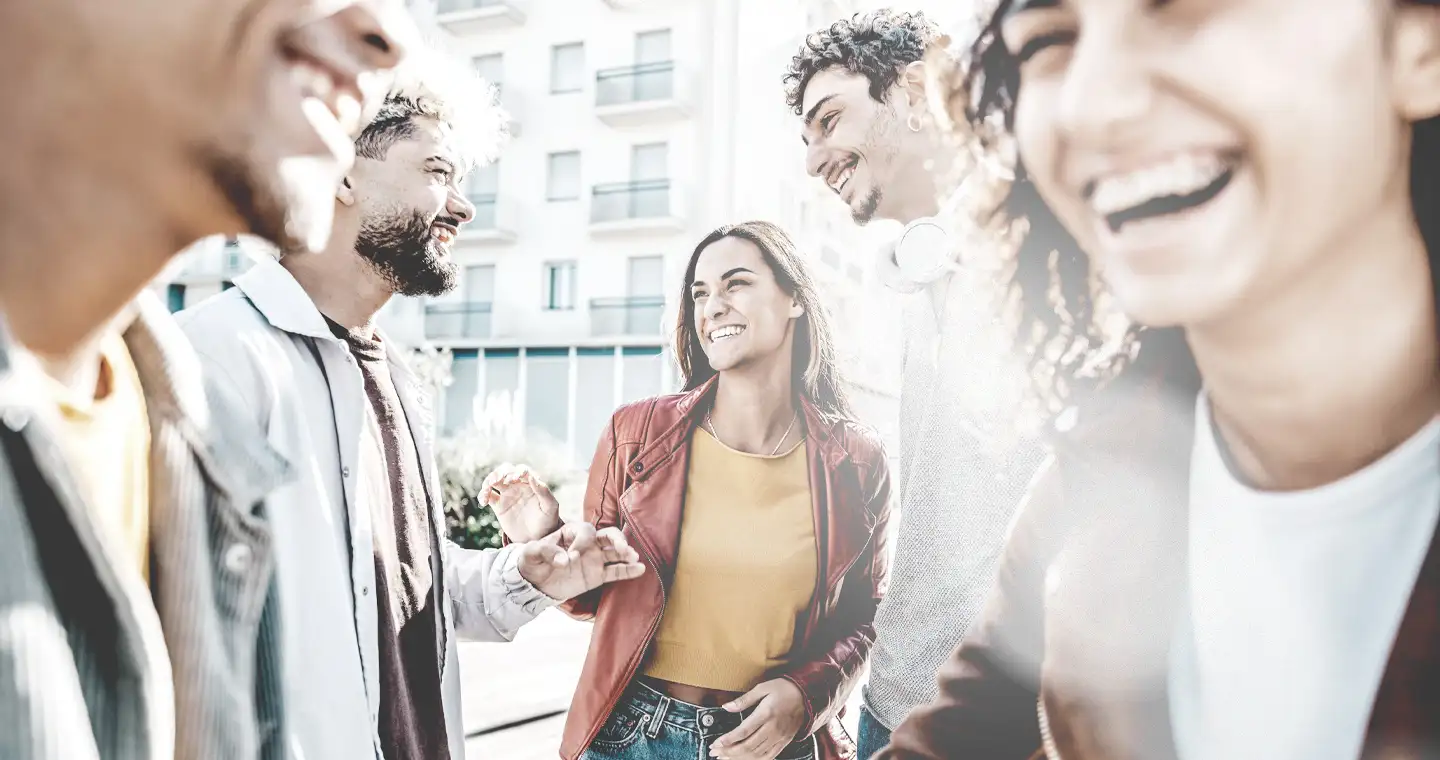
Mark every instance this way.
x=960 y=481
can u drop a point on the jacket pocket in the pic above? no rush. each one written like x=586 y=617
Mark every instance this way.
x=242 y=563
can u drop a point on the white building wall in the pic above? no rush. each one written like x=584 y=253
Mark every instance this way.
x=734 y=154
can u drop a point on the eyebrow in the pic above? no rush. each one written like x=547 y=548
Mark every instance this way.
x=810 y=116
x=727 y=275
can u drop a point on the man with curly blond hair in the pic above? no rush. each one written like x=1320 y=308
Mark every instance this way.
x=860 y=88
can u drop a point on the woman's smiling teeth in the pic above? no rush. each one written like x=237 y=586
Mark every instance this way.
x=1178 y=183
x=722 y=333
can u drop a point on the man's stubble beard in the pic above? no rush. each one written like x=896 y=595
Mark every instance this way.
x=881 y=148
x=402 y=251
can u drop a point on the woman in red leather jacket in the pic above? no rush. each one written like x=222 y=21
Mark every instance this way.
x=760 y=505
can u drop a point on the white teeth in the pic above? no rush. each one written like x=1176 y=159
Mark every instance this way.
x=312 y=81
x=444 y=234
x=1179 y=175
x=840 y=179
x=729 y=331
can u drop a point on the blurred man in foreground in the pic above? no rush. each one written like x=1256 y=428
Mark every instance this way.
x=135 y=552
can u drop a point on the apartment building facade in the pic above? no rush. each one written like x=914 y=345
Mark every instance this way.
x=637 y=127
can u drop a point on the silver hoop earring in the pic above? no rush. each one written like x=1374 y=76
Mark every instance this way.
x=914 y=122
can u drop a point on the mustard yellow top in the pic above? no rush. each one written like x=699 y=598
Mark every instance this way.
x=106 y=436
x=745 y=570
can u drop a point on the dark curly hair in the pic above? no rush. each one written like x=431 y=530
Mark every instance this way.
x=1051 y=276
x=877 y=44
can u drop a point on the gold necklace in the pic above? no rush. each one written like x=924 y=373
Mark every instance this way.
x=711 y=424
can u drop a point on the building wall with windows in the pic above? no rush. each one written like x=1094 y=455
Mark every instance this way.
x=637 y=127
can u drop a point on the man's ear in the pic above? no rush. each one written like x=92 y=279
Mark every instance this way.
x=345 y=193
x=1415 y=60
x=912 y=78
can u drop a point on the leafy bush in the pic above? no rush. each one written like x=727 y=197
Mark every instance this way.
x=496 y=437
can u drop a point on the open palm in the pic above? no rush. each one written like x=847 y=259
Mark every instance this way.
x=577 y=558
x=526 y=509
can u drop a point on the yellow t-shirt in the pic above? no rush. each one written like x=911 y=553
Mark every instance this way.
x=106 y=436
x=745 y=571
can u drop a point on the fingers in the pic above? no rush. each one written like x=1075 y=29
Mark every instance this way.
x=537 y=553
x=623 y=572
x=747 y=700
x=737 y=738
x=577 y=537
x=617 y=549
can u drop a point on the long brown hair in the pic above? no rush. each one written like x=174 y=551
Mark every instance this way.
x=813 y=368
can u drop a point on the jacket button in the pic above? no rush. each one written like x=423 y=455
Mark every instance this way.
x=345 y=472
x=638 y=467
x=237 y=558
x=16 y=419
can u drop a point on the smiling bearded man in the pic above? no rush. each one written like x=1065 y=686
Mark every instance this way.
x=374 y=594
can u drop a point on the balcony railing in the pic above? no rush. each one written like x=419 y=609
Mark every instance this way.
x=471 y=16
x=458 y=320
x=635 y=84
x=635 y=315
x=645 y=199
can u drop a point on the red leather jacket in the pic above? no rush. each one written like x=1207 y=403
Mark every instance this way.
x=637 y=482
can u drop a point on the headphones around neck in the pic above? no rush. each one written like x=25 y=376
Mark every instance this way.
x=925 y=252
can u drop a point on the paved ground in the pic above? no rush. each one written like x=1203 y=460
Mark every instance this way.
x=533 y=675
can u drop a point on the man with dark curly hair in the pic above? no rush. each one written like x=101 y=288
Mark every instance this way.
x=859 y=86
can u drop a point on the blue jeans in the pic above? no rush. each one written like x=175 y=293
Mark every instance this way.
x=647 y=725
x=873 y=735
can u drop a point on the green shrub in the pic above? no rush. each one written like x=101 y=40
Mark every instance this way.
x=495 y=438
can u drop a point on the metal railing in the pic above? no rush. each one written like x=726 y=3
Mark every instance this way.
x=484 y=204
x=470 y=319
x=449 y=6
x=645 y=199
x=635 y=84
x=633 y=315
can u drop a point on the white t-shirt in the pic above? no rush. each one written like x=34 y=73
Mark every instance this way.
x=1295 y=599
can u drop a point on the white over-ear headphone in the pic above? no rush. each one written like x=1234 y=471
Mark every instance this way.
x=924 y=252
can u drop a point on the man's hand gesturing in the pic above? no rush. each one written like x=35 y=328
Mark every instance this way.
x=576 y=558
x=526 y=509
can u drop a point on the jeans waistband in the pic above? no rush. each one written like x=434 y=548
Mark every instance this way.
x=707 y=722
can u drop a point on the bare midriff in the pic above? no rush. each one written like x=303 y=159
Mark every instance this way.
x=695 y=695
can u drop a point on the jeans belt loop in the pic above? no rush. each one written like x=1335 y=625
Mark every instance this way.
x=663 y=707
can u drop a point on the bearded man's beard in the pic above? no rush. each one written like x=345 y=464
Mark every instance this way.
x=402 y=250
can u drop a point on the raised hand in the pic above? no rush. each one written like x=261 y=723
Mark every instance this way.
x=526 y=509
x=576 y=558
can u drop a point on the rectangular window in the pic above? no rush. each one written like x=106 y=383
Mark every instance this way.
x=460 y=394
x=502 y=374
x=547 y=394
x=482 y=187
x=567 y=68
x=562 y=177
x=641 y=368
x=652 y=47
x=491 y=68
x=560 y=286
x=594 y=399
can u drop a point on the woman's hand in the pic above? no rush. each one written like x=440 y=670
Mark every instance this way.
x=779 y=715
x=526 y=509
